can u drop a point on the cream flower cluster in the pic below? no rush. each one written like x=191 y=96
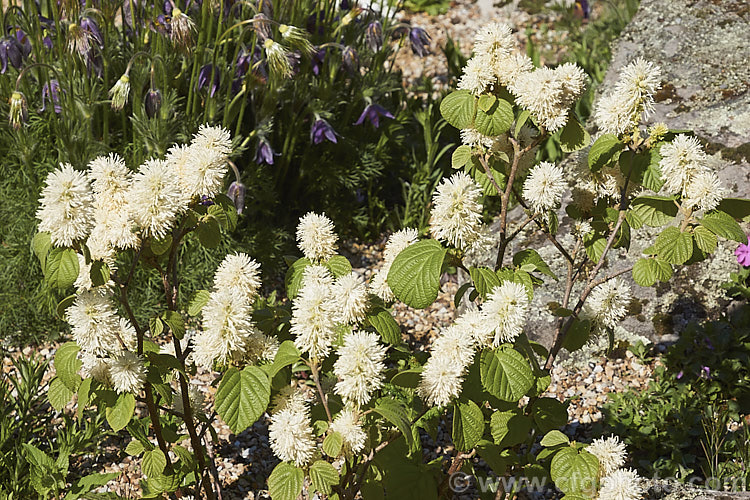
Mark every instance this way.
x=608 y=303
x=291 y=435
x=633 y=97
x=616 y=483
x=685 y=170
x=228 y=332
x=546 y=93
x=450 y=356
x=544 y=187
x=456 y=215
x=359 y=367
x=397 y=242
x=316 y=237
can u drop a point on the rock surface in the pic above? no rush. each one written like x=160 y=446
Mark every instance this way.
x=703 y=48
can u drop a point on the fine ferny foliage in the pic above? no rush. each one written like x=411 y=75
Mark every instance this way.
x=347 y=400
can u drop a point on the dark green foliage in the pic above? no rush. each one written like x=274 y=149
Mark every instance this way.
x=706 y=373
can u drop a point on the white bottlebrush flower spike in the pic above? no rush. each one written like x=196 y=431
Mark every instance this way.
x=633 y=96
x=549 y=94
x=622 y=484
x=317 y=274
x=441 y=381
x=110 y=180
x=347 y=425
x=478 y=75
x=127 y=371
x=238 y=273
x=608 y=303
x=359 y=367
x=610 y=452
x=544 y=187
x=351 y=299
x=313 y=320
x=226 y=329
x=704 y=191
x=155 y=198
x=212 y=137
x=681 y=160
x=66 y=206
x=494 y=39
x=289 y=397
x=456 y=215
x=291 y=436
x=205 y=173
x=96 y=367
x=505 y=312
x=94 y=322
x=456 y=344
x=316 y=237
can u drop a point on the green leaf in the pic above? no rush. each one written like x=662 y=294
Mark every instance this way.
x=88 y=483
x=647 y=271
x=134 y=448
x=285 y=482
x=496 y=120
x=174 y=320
x=119 y=415
x=59 y=394
x=461 y=156
x=573 y=136
x=332 y=444
x=293 y=279
x=486 y=101
x=339 y=266
x=574 y=471
x=520 y=121
x=577 y=335
x=407 y=378
x=458 y=108
x=554 y=438
x=705 y=239
x=159 y=247
x=594 y=244
x=654 y=211
x=229 y=211
x=386 y=325
x=197 y=301
x=67 y=365
x=468 y=425
x=490 y=453
x=99 y=273
x=509 y=428
x=84 y=396
x=531 y=257
x=209 y=233
x=722 y=224
x=153 y=463
x=40 y=245
x=323 y=475
x=738 y=208
x=549 y=414
x=287 y=354
x=604 y=151
x=505 y=374
x=395 y=413
x=242 y=397
x=674 y=246
x=485 y=279
x=62 y=269
x=414 y=276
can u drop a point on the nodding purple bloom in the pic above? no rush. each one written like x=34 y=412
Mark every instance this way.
x=161 y=25
x=90 y=26
x=317 y=58
x=244 y=60
x=236 y=193
x=153 y=102
x=679 y=375
x=48 y=26
x=420 y=41
x=705 y=372
x=10 y=51
x=264 y=153
x=24 y=42
x=350 y=59
x=372 y=113
x=374 y=36
x=204 y=75
x=742 y=252
x=321 y=130
x=51 y=92
x=206 y=201
x=94 y=63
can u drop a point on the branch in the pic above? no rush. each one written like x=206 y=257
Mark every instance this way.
x=324 y=400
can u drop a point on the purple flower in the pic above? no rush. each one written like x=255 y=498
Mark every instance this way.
x=236 y=193
x=153 y=102
x=679 y=375
x=374 y=36
x=742 y=252
x=317 y=58
x=420 y=41
x=23 y=41
x=264 y=153
x=321 y=130
x=350 y=59
x=10 y=51
x=372 y=113
x=51 y=92
x=206 y=201
x=204 y=75
x=90 y=25
x=705 y=372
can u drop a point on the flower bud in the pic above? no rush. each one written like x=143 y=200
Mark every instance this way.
x=119 y=92
x=374 y=36
x=19 y=112
x=236 y=193
x=153 y=103
x=350 y=59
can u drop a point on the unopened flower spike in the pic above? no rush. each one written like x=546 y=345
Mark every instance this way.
x=19 y=111
x=277 y=58
x=119 y=92
x=296 y=38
